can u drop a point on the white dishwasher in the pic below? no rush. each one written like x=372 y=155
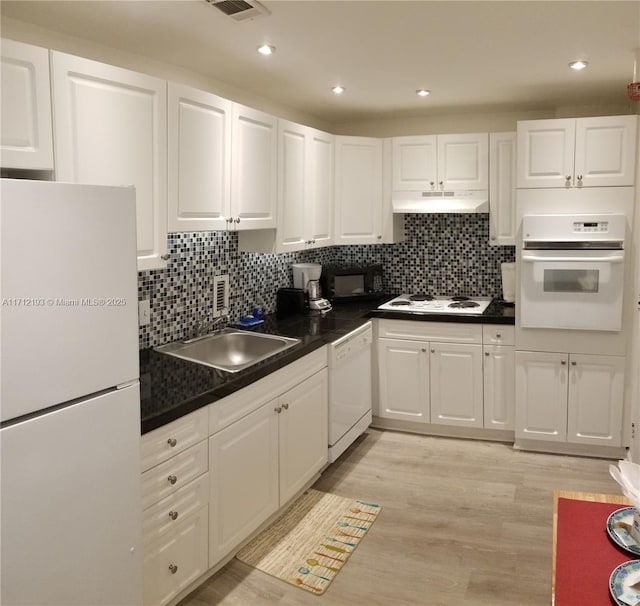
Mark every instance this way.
x=349 y=388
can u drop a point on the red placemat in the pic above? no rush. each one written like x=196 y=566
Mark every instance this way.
x=585 y=556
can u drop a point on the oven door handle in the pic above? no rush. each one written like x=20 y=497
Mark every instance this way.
x=611 y=259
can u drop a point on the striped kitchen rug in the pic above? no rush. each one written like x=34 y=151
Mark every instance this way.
x=309 y=544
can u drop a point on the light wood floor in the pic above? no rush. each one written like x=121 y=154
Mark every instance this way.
x=463 y=522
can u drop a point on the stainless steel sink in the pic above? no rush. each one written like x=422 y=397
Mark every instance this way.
x=229 y=349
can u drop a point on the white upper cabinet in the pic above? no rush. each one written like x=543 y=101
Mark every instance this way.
x=358 y=190
x=502 y=189
x=199 y=136
x=25 y=129
x=305 y=193
x=582 y=152
x=111 y=129
x=254 y=143
x=442 y=162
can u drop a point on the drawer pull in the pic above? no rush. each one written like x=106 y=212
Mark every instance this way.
x=173 y=515
x=172 y=442
x=498 y=335
x=486 y=353
x=285 y=406
x=278 y=409
x=173 y=568
x=172 y=480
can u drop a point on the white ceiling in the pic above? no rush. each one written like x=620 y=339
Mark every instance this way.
x=473 y=56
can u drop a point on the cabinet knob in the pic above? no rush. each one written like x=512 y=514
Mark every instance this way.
x=165 y=257
x=172 y=480
x=498 y=335
x=580 y=178
x=237 y=220
x=423 y=350
x=285 y=406
x=487 y=354
x=173 y=515
x=493 y=238
x=278 y=409
x=379 y=236
x=567 y=179
x=172 y=442
x=230 y=220
x=173 y=568
x=574 y=363
x=433 y=351
x=563 y=362
x=432 y=183
x=441 y=184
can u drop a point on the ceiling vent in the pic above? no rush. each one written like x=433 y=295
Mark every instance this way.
x=239 y=10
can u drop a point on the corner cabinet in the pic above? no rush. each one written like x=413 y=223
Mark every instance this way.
x=25 y=121
x=268 y=441
x=358 y=190
x=199 y=138
x=502 y=189
x=111 y=129
x=572 y=398
x=581 y=152
x=305 y=193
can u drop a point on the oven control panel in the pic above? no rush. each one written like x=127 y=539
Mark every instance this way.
x=586 y=227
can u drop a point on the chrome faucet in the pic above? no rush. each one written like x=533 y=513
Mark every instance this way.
x=206 y=326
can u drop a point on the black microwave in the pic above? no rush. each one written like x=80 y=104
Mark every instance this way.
x=341 y=283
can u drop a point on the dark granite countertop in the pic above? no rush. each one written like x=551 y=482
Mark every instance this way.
x=171 y=387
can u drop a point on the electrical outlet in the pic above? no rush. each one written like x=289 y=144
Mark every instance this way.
x=144 y=312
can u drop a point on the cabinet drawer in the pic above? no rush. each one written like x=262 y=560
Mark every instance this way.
x=166 y=514
x=176 y=559
x=166 y=441
x=450 y=332
x=168 y=477
x=498 y=334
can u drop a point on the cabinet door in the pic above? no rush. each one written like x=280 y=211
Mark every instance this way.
x=499 y=387
x=25 y=129
x=243 y=459
x=456 y=384
x=358 y=190
x=541 y=396
x=199 y=140
x=463 y=161
x=413 y=163
x=254 y=143
x=176 y=559
x=319 y=207
x=292 y=185
x=502 y=189
x=111 y=129
x=304 y=427
x=403 y=368
x=605 y=151
x=596 y=395
x=545 y=152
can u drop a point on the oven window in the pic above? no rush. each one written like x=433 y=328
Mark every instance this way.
x=349 y=285
x=570 y=280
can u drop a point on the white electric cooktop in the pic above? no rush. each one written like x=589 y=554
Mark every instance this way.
x=417 y=303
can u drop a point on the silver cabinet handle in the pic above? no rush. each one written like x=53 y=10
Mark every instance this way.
x=285 y=406
x=278 y=409
x=173 y=515
x=173 y=568
x=172 y=442
x=172 y=480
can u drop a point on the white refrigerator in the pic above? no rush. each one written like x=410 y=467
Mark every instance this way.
x=70 y=513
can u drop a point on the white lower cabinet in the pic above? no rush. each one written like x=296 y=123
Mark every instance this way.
x=268 y=442
x=573 y=398
x=175 y=500
x=431 y=372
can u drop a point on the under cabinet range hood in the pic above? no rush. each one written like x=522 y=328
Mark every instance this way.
x=440 y=201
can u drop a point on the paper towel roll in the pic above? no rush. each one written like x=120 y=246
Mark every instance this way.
x=508 y=281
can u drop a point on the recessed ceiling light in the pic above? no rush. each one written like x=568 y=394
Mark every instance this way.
x=266 y=49
x=423 y=92
x=578 y=65
x=338 y=90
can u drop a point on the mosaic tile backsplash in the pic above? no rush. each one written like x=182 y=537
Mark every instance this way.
x=442 y=254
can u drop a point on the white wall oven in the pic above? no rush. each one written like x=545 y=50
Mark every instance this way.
x=572 y=271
